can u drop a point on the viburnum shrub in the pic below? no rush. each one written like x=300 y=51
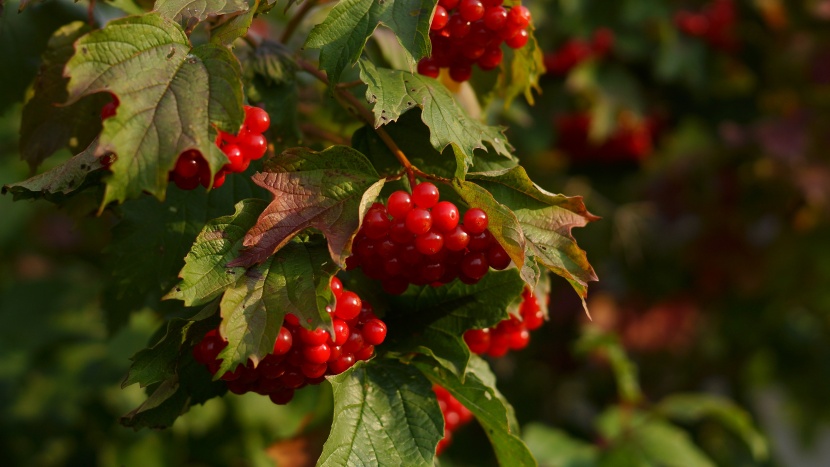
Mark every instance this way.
x=343 y=166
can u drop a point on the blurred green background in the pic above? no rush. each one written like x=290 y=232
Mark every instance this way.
x=707 y=157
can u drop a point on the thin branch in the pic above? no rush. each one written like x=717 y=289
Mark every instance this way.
x=295 y=20
x=319 y=133
x=350 y=84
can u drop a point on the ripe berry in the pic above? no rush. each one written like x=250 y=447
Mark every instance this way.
x=458 y=27
x=188 y=164
x=491 y=58
x=428 y=67
x=425 y=195
x=336 y=287
x=348 y=306
x=253 y=145
x=284 y=340
x=237 y=161
x=418 y=221
x=317 y=353
x=457 y=239
x=471 y=10
x=109 y=109
x=376 y=224
x=445 y=216
x=475 y=221
x=342 y=364
x=461 y=72
x=495 y=17
x=448 y=4
x=429 y=243
x=518 y=17
x=474 y=265
x=440 y=18
x=478 y=340
x=315 y=337
x=374 y=332
x=341 y=331
x=399 y=204
x=256 y=120
x=518 y=40
x=497 y=257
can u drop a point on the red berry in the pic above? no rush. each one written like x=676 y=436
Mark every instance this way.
x=336 y=287
x=365 y=353
x=432 y=272
x=428 y=67
x=471 y=10
x=219 y=179
x=342 y=364
x=376 y=224
x=374 y=332
x=315 y=337
x=518 y=17
x=425 y=195
x=399 y=204
x=109 y=109
x=478 y=340
x=314 y=370
x=253 y=145
x=189 y=163
x=292 y=319
x=474 y=265
x=481 y=241
x=256 y=120
x=237 y=161
x=418 y=221
x=348 y=306
x=429 y=243
x=457 y=239
x=183 y=183
x=353 y=343
x=282 y=397
x=475 y=221
x=284 y=340
x=518 y=40
x=341 y=331
x=491 y=59
x=398 y=232
x=461 y=72
x=448 y=4
x=445 y=216
x=497 y=257
x=458 y=27
x=293 y=378
x=440 y=18
x=495 y=17
x=317 y=353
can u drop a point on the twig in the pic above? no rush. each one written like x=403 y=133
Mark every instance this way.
x=317 y=132
x=295 y=20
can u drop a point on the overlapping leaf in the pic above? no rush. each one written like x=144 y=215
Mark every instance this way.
x=546 y=221
x=394 y=92
x=385 y=414
x=60 y=181
x=225 y=33
x=478 y=393
x=171 y=96
x=343 y=34
x=436 y=318
x=190 y=12
x=328 y=190
x=520 y=72
x=47 y=125
x=295 y=280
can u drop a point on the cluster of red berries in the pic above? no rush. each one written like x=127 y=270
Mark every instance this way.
x=631 y=142
x=249 y=144
x=455 y=415
x=424 y=243
x=576 y=51
x=301 y=356
x=468 y=32
x=715 y=24
x=510 y=334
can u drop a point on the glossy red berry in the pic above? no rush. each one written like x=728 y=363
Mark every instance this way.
x=518 y=40
x=461 y=72
x=495 y=17
x=474 y=265
x=374 y=332
x=348 y=306
x=428 y=67
x=336 y=287
x=313 y=337
x=457 y=239
x=440 y=18
x=237 y=162
x=425 y=195
x=256 y=120
x=317 y=353
x=399 y=204
x=445 y=216
x=475 y=221
x=418 y=221
x=518 y=17
x=284 y=341
x=471 y=10
x=429 y=243
x=478 y=340
x=497 y=257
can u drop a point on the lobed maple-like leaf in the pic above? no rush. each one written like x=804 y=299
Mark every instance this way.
x=347 y=28
x=329 y=191
x=385 y=414
x=171 y=97
x=46 y=124
x=395 y=92
x=435 y=318
x=477 y=392
x=546 y=221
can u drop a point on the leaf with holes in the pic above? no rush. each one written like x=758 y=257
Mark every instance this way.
x=395 y=92
x=329 y=190
x=546 y=221
x=343 y=34
x=386 y=414
x=47 y=125
x=171 y=97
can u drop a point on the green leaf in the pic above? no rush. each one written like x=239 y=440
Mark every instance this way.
x=47 y=125
x=555 y=448
x=205 y=275
x=695 y=407
x=295 y=280
x=56 y=184
x=625 y=371
x=170 y=97
x=385 y=414
x=546 y=221
x=151 y=240
x=227 y=32
x=478 y=393
x=655 y=441
x=329 y=190
x=343 y=34
x=520 y=72
x=435 y=318
x=190 y=12
x=394 y=92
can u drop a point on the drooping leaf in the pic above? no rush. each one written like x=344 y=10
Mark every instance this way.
x=61 y=181
x=478 y=393
x=295 y=280
x=650 y=439
x=205 y=274
x=171 y=96
x=189 y=12
x=435 y=318
x=695 y=407
x=328 y=190
x=546 y=220
x=343 y=34
x=47 y=125
x=385 y=414
x=394 y=92
x=520 y=72
x=555 y=448
x=151 y=240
